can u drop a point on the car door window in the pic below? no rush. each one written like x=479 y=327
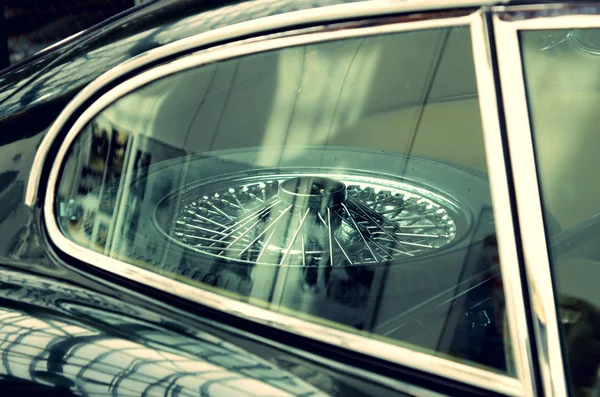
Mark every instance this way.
x=342 y=182
x=562 y=76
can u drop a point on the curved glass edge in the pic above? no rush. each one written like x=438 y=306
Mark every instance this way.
x=439 y=366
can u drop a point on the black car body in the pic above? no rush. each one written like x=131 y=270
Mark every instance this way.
x=424 y=266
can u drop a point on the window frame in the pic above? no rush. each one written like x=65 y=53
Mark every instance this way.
x=71 y=122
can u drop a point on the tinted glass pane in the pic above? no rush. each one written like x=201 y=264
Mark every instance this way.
x=342 y=182
x=562 y=73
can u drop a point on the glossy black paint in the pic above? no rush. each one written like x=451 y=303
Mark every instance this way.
x=39 y=285
x=89 y=344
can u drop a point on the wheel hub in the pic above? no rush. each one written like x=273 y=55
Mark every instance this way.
x=312 y=191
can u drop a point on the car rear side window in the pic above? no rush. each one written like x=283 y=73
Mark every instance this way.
x=341 y=182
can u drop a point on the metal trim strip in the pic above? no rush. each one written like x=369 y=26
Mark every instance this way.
x=497 y=169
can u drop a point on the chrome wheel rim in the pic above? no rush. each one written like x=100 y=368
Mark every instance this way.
x=311 y=219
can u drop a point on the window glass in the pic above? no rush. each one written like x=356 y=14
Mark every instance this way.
x=562 y=74
x=342 y=182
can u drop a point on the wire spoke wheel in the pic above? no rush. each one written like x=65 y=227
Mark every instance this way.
x=311 y=220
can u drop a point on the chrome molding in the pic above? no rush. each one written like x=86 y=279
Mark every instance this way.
x=392 y=353
x=529 y=204
x=61 y=42
x=497 y=170
x=318 y=15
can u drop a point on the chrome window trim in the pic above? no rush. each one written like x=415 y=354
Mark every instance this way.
x=400 y=355
x=395 y=384
x=319 y=15
x=502 y=207
x=528 y=196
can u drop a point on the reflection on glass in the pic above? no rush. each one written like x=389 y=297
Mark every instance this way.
x=340 y=182
x=562 y=74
